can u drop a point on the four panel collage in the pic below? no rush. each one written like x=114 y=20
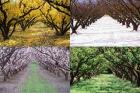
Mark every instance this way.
x=69 y=46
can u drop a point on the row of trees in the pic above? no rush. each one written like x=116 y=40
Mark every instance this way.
x=85 y=63
x=60 y=22
x=124 y=11
x=12 y=13
x=122 y=62
x=28 y=12
x=12 y=60
x=85 y=12
x=54 y=59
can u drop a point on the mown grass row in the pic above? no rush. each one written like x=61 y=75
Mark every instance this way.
x=104 y=84
x=36 y=84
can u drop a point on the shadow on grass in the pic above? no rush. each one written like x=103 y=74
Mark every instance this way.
x=104 y=84
x=38 y=35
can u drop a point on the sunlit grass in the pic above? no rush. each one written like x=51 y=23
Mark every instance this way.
x=104 y=84
x=36 y=84
x=34 y=36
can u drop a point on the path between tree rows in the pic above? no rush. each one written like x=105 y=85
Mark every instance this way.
x=104 y=83
x=35 y=79
x=106 y=32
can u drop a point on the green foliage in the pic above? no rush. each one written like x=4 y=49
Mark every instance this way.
x=124 y=62
x=85 y=63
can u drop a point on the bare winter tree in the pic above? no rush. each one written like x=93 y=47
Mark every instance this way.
x=84 y=13
x=125 y=11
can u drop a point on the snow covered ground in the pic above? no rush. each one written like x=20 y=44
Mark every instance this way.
x=106 y=32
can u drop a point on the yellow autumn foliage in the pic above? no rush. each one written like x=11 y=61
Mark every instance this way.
x=56 y=15
x=14 y=9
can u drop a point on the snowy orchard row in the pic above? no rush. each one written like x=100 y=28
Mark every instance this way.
x=124 y=11
x=87 y=12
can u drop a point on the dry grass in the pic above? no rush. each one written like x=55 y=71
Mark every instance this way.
x=37 y=35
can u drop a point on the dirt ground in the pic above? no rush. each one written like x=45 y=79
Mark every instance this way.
x=14 y=85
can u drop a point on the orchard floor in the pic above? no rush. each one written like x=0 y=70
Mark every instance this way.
x=35 y=79
x=104 y=83
x=37 y=35
x=106 y=32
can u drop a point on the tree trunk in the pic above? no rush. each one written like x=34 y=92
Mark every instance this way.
x=6 y=37
x=127 y=24
x=71 y=80
x=83 y=26
x=62 y=33
x=23 y=28
x=67 y=76
x=138 y=80
x=5 y=78
x=72 y=26
x=73 y=31
x=135 y=27
x=58 y=73
x=5 y=34
x=123 y=22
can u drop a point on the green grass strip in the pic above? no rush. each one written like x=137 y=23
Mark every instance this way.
x=35 y=83
x=104 y=84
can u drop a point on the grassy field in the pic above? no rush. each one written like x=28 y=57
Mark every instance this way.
x=37 y=35
x=104 y=84
x=36 y=84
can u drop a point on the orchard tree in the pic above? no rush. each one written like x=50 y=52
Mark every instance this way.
x=62 y=25
x=54 y=59
x=28 y=22
x=84 y=13
x=85 y=63
x=124 y=63
x=56 y=20
x=13 y=13
x=62 y=6
x=12 y=60
x=125 y=11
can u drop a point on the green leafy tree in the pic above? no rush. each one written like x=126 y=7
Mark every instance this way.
x=85 y=63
